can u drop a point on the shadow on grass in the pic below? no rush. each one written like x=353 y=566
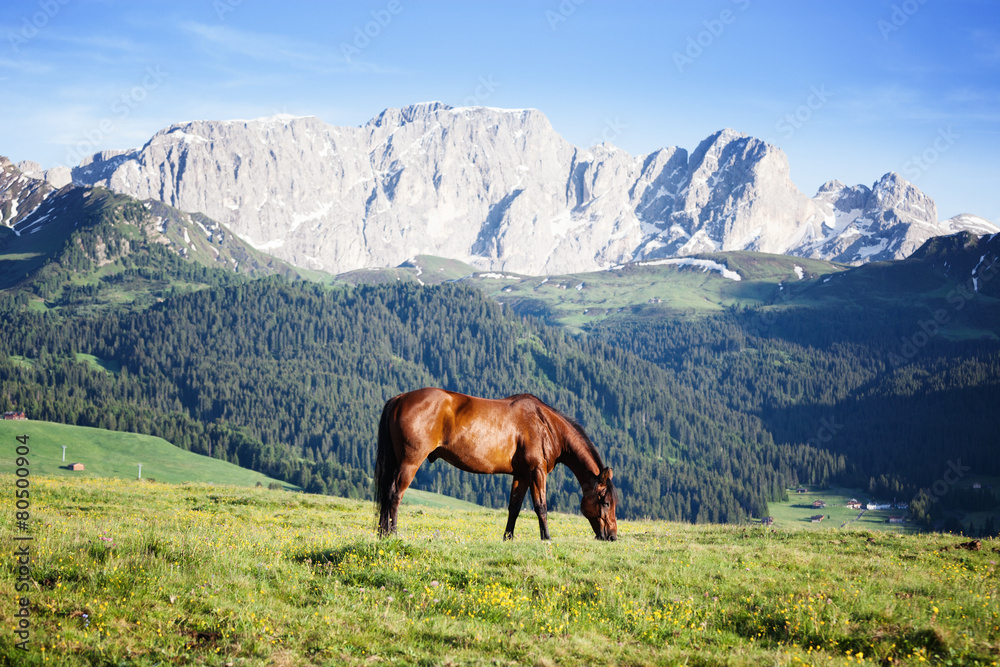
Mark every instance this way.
x=360 y=551
x=363 y=563
x=892 y=639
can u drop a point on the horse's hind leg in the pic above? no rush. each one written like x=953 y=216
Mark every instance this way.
x=517 y=491
x=538 y=500
x=404 y=477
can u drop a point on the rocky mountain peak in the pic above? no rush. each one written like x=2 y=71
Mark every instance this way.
x=502 y=190
x=895 y=200
x=895 y=192
x=830 y=187
x=401 y=116
x=26 y=166
x=20 y=194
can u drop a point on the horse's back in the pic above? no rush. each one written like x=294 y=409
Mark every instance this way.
x=476 y=434
x=451 y=403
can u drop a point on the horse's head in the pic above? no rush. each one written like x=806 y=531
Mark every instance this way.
x=599 y=504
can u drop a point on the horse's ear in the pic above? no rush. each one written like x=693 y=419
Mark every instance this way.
x=605 y=476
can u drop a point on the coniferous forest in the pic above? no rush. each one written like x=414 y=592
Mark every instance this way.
x=289 y=379
x=704 y=418
x=701 y=421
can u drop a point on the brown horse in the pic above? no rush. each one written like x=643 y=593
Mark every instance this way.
x=519 y=435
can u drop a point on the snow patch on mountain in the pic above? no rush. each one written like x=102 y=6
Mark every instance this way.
x=703 y=264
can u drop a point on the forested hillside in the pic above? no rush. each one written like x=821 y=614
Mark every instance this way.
x=838 y=379
x=90 y=248
x=288 y=379
x=705 y=416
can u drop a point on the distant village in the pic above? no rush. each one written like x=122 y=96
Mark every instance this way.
x=853 y=504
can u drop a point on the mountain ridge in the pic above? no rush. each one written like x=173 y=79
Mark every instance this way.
x=501 y=190
x=81 y=244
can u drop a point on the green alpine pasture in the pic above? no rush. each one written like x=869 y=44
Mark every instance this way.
x=116 y=454
x=576 y=300
x=427 y=269
x=124 y=572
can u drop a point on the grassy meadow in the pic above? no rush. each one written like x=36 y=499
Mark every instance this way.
x=128 y=572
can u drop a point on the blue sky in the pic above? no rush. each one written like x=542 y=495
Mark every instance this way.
x=850 y=90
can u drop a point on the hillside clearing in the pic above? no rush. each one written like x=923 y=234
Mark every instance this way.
x=115 y=454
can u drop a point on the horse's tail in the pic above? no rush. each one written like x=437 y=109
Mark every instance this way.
x=386 y=468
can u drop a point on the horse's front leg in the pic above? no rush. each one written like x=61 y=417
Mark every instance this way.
x=538 y=500
x=517 y=491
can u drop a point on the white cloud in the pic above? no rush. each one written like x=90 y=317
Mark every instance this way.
x=25 y=66
x=277 y=49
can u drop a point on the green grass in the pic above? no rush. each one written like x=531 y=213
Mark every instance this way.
x=763 y=266
x=419 y=498
x=96 y=363
x=657 y=291
x=608 y=293
x=316 y=276
x=427 y=269
x=439 y=269
x=38 y=306
x=22 y=361
x=151 y=574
